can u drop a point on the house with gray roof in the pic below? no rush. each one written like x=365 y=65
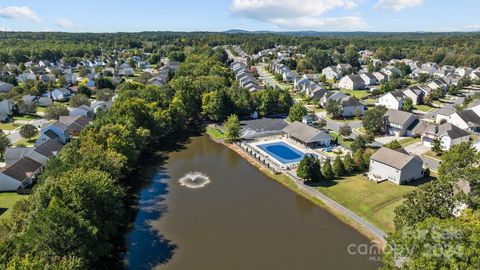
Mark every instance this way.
x=447 y=134
x=21 y=174
x=349 y=105
x=399 y=122
x=5 y=87
x=352 y=82
x=306 y=135
x=466 y=119
x=394 y=166
x=392 y=100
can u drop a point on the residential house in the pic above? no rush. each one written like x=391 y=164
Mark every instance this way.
x=7 y=108
x=392 y=100
x=331 y=73
x=5 y=87
x=349 y=105
x=466 y=119
x=56 y=131
x=443 y=115
x=447 y=134
x=395 y=166
x=381 y=77
x=74 y=124
x=439 y=83
x=21 y=174
x=26 y=76
x=82 y=110
x=391 y=71
x=399 y=122
x=415 y=94
x=369 y=78
x=463 y=71
x=352 y=82
x=61 y=94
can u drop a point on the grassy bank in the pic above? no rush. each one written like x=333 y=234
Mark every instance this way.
x=374 y=202
x=289 y=183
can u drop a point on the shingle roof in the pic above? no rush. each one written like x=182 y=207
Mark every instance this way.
x=453 y=131
x=306 y=133
x=392 y=158
x=469 y=116
x=49 y=148
x=17 y=152
x=398 y=117
x=22 y=169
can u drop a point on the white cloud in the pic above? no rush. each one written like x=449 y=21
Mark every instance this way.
x=5 y=29
x=64 y=23
x=298 y=14
x=19 y=13
x=398 y=5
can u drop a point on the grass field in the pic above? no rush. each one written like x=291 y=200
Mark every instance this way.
x=341 y=140
x=215 y=133
x=356 y=93
x=7 y=200
x=424 y=108
x=409 y=141
x=374 y=202
x=8 y=126
x=26 y=142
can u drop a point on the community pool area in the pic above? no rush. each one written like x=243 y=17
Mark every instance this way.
x=282 y=152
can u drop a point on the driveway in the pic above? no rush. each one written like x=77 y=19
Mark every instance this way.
x=417 y=149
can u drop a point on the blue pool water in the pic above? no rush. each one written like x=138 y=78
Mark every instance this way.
x=282 y=152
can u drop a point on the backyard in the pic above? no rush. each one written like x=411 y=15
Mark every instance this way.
x=356 y=93
x=7 y=200
x=374 y=202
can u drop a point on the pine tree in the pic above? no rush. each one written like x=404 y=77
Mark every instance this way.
x=315 y=170
x=327 y=171
x=349 y=164
x=338 y=168
x=303 y=170
x=359 y=161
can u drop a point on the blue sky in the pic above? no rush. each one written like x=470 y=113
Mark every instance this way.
x=220 y=15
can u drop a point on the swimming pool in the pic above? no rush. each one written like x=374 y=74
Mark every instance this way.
x=282 y=152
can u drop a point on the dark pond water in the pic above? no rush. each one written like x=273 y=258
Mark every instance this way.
x=240 y=220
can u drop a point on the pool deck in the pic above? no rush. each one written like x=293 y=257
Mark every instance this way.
x=297 y=147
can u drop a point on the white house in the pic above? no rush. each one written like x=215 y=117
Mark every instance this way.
x=466 y=119
x=391 y=71
x=380 y=76
x=349 y=105
x=443 y=115
x=369 y=78
x=352 y=82
x=19 y=175
x=331 y=73
x=439 y=83
x=394 y=166
x=416 y=95
x=447 y=134
x=392 y=100
x=399 y=122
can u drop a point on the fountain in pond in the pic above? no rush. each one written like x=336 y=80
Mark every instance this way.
x=194 y=180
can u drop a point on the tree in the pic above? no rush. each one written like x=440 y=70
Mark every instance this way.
x=322 y=123
x=334 y=109
x=26 y=108
x=434 y=199
x=56 y=110
x=316 y=169
x=79 y=100
x=28 y=131
x=232 y=128
x=103 y=83
x=457 y=163
x=105 y=94
x=373 y=120
x=359 y=143
x=297 y=112
x=366 y=156
x=348 y=164
x=407 y=105
x=359 y=161
x=214 y=105
x=327 y=171
x=82 y=89
x=4 y=143
x=345 y=130
x=303 y=170
x=436 y=244
x=437 y=147
x=394 y=145
x=338 y=168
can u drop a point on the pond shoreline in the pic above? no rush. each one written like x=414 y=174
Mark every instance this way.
x=289 y=182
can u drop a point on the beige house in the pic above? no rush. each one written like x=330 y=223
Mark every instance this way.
x=395 y=166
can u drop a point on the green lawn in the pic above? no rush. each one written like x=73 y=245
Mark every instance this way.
x=374 y=202
x=356 y=93
x=25 y=117
x=409 y=141
x=343 y=142
x=8 y=126
x=215 y=133
x=7 y=200
x=424 y=108
x=432 y=154
x=25 y=142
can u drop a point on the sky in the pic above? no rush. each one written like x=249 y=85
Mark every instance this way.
x=253 y=15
